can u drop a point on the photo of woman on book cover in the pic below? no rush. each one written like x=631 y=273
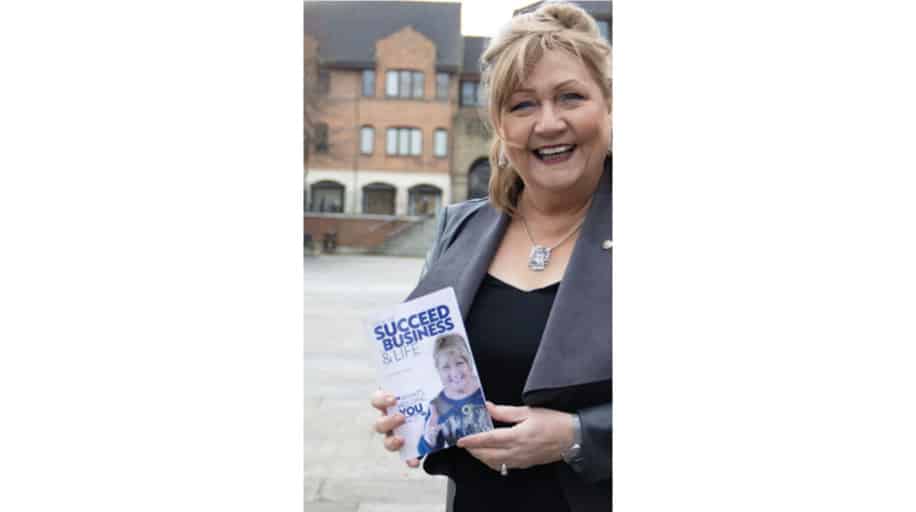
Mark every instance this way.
x=459 y=409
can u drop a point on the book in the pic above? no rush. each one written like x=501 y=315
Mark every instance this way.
x=424 y=359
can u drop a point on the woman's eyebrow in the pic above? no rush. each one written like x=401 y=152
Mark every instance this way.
x=558 y=86
x=571 y=81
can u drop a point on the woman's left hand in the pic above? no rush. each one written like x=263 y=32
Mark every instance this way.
x=539 y=436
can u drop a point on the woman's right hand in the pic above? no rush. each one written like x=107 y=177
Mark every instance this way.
x=386 y=424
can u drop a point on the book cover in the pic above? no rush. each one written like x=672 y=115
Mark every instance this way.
x=425 y=360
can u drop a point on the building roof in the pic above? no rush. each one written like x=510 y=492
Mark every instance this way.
x=347 y=31
x=473 y=48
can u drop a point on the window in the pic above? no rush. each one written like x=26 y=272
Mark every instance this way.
x=391 y=83
x=366 y=140
x=378 y=198
x=418 y=88
x=368 y=82
x=404 y=141
x=321 y=138
x=404 y=83
x=416 y=142
x=440 y=143
x=479 y=178
x=423 y=200
x=324 y=82
x=604 y=28
x=391 y=144
x=470 y=94
x=442 y=86
x=327 y=196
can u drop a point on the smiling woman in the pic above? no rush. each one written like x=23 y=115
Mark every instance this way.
x=531 y=267
x=554 y=128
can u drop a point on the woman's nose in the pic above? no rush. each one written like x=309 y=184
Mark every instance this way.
x=548 y=120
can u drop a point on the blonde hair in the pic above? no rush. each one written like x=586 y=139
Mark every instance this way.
x=509 y=59
x=451 y=344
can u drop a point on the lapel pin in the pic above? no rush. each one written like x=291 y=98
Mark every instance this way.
x=607 y=244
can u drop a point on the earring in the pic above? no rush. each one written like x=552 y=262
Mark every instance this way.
x=502 y=161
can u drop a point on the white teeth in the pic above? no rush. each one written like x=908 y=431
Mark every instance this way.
x=554 y=150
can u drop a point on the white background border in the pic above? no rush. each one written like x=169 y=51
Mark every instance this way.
x=151 y=281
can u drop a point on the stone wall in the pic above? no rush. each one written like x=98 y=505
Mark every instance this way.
x=361 y=233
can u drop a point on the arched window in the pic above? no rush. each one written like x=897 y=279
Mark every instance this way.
x=379 y=198
x=424 y=200
x=479 y=178
x=327 y=196
x=366 y=140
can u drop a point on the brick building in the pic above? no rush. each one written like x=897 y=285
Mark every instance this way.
x=387 y=75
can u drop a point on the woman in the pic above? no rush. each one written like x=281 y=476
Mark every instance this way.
x=531 y=267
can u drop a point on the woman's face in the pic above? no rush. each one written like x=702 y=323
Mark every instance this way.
x=455 y=374
x=556 y=124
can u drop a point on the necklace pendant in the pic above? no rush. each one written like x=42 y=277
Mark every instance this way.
x=539 y=258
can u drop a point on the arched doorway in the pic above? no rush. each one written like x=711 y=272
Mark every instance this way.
x=479 y=178
x=423 y=200
x=327 y=196
x=378 y=198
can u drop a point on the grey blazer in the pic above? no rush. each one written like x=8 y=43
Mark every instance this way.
x=572 y=367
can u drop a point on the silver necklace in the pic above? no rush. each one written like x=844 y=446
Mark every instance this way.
x=540 y=255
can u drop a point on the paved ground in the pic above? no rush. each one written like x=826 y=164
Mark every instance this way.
x=346 y=468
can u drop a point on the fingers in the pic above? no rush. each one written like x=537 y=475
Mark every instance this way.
x=393 y=443
x=386 y=424
x=507 y=413
x=496 y=438
x=492 y=457
x=382 y=400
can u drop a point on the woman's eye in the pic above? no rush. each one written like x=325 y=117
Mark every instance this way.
x=571 y=96
x=520 y=105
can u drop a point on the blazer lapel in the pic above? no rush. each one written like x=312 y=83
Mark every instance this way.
x=576 y=346
x=464 y=267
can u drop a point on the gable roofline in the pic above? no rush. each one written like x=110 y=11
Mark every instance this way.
x=347 y=31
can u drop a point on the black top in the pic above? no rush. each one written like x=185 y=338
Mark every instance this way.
x=505 y=326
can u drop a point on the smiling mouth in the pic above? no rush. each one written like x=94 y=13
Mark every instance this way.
x=554 y=154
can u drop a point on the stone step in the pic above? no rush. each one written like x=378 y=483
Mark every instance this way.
x=414 y=241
